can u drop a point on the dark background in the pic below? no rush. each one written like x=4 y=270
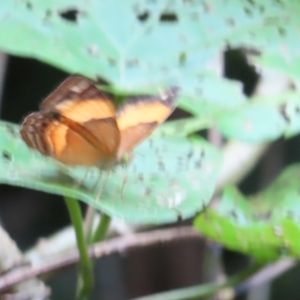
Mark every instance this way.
x=30 y=215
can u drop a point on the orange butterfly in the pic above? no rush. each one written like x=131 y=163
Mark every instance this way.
x=80 y=125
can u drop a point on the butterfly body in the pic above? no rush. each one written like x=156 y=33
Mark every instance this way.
x=80 y=125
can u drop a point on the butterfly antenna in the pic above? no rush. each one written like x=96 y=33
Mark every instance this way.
x=125 y=178
x=94 y=188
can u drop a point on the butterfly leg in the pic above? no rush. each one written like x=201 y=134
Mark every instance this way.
x=95 y=185
x=99 y=193
x=125 y=178
x=91 y=213
x=75 y=182
x=81 y=181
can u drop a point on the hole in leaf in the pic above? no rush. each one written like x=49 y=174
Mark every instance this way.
x=195 y=16
x=6 y=155
x=230 y=22
x=161 y=166
x=150 y=142
x=147 y=192
x=190 y=153
x=179 y=216
x=248 y=11
x=290 y=214
x=143 y=17
x=206 y=6
x=233 y=214
x=168 y=17
x=197 y=164
x=93 y=50
x=283 y=112
x=101 y=80
x=283 y=251
x=132 y=63
x=182 y=58
x=111 y=61
x=265 y=216
x=237 y=66
x=48 y=13
x=11 y=130
x=261 y=9
x=47 y=17
x=281 y=31
x=29 y=5
x=70 y=15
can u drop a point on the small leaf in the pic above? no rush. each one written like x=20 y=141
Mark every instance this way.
x=266 y=225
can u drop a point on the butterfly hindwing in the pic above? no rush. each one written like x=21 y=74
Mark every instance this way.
x=51 y=136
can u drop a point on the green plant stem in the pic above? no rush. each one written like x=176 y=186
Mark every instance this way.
x=85 y=277
x=204 y=290
x=89 y=224
x=101 y=229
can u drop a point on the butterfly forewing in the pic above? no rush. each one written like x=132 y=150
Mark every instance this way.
x=74 y=87
x=140 y=115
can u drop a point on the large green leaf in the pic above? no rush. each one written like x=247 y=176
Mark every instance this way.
x=146 y=45
x=168 y=178
x=265 y=225
x=141 y=44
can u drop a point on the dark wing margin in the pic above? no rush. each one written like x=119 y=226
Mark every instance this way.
x=74 y=87
x=168 y=98
x=32 y=132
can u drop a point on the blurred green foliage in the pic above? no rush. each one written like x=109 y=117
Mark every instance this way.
x=145 y=46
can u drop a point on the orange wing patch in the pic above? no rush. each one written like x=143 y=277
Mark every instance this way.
x=67 y=146
x=79 y=124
